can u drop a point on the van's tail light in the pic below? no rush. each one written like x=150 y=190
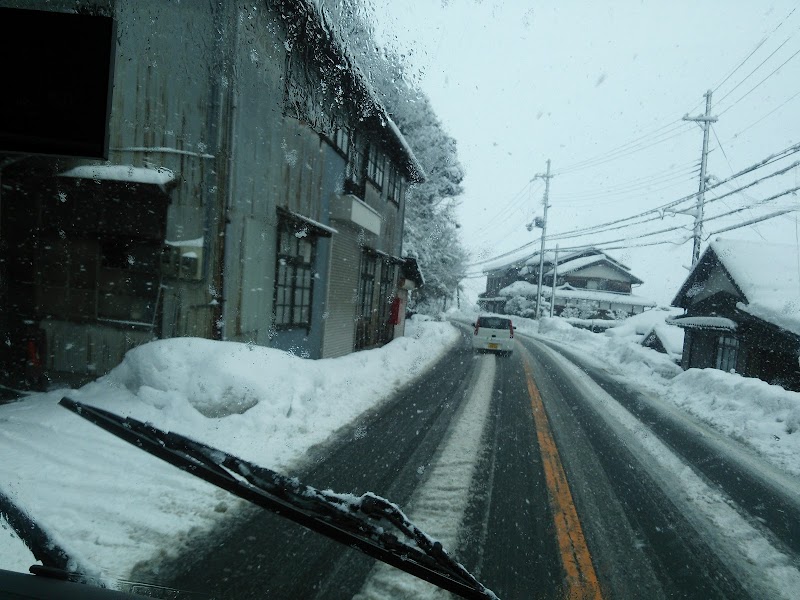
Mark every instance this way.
x=511 y=327
x=477 y=327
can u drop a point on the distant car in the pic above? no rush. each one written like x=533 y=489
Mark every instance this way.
x=495 y=334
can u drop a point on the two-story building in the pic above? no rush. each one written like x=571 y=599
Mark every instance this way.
x=587 y=281
x=253 y=191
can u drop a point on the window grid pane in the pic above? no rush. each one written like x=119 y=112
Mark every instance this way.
x=293 y=281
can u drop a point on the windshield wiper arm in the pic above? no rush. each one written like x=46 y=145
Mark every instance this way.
x=363 y=522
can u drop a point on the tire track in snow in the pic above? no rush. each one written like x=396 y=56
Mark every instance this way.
x=439 y=504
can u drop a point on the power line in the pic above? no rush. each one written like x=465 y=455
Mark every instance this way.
x=616 y=225
x=673 y=128
x=781 y=105
x=511 y=212
x=778 y=68
x=685 y=227
x=754 y=50
x=621 y=147
x=513 y=200
x=633 y=185
x=660 y=210
x=730 y=166
x=756 y=203
x=507 y=211
x=751 y=222
x=761 y=64
x=624 y=153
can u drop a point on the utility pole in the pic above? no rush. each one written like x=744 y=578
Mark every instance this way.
x=546 y=178
x=706 y=120
x=553 y=287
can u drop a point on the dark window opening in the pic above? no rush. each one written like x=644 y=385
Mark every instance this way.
x=375 y=165
x=727 y=350
x=355 y=175
x=294 y=280
x=366 y=286
x=386 y=296
x=394 y=185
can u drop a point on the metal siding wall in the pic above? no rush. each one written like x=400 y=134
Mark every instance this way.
x=256 y=290
x=164 y=105
x=90 y=350
x=342 y=292
x=276 y=161
x=255 y=162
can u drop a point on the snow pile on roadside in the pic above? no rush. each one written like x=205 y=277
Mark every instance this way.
x=112 y=505
x=624 y=351
x=763 y=416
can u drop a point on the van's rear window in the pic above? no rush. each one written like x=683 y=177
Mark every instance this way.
x=493 y=323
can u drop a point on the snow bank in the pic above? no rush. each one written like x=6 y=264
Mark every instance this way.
x=638 y=326
x=763 y=416
x=112 y=506
x=622 y=351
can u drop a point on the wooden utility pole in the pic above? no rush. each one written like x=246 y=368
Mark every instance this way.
x=706 y=121
x=546 y=178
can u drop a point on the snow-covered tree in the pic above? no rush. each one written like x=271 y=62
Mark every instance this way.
x=522 y=306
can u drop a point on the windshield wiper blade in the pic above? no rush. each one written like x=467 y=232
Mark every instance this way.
x=363 y=522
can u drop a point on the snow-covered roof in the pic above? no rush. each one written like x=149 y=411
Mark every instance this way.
x=528 y=262
x=518 y=288
x=524 y=288
x=671 y=337
x=715 y=323
x=578 y=263
x=159 y=176
x=549 y=257
x=326 y=21
x=598 y=296
x=193 y=243
x=569 y=257
x=322 y=229
x=572 y=265
x=768 y=275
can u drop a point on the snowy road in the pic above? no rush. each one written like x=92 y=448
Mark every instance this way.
x=581 y=486
x=669 y=508
x=386 y=452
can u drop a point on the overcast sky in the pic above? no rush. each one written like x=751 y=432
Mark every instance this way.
x=517 y=82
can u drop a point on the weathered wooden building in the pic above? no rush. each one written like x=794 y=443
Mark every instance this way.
x=742 y=303
x=254 y=191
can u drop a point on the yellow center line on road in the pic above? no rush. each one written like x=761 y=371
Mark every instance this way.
x=581 y=578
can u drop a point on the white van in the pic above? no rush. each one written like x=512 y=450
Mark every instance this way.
x=493 y=333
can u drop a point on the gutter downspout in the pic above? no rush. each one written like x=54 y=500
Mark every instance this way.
x=224 y=116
